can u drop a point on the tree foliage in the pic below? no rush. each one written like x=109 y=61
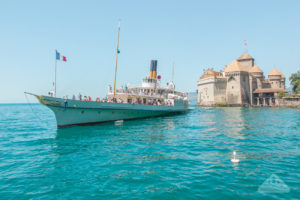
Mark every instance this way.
x=281 y=94
x=295 y=81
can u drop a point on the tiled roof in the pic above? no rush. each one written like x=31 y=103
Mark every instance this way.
x=207 y=74
x=255 y=68
x=210 y=72
x=274 y=72
x=235 y=66
x=245 y=56
x=268 y=90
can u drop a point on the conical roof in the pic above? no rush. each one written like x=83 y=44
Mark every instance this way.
x=235 y=66
x=256 y=69
x=245 y=56
x=210 y=72
x=274 y=72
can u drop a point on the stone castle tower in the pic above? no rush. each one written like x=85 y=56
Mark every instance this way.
x=237 y=90
x=246 y=61
x=276 y=79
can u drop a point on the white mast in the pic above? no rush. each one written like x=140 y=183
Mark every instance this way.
x=117 y=59
x=55 y=74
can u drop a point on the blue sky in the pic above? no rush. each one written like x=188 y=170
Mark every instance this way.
x=193 y=34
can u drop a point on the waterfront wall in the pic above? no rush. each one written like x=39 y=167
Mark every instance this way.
x=293 y=102
x=220 y=91
x=288 y=102
x=212 y=91
x=206 y=92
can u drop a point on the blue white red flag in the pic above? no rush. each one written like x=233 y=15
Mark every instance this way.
x=60 y=57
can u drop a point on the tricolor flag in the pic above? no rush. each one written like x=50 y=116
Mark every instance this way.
x=245 y=42
x=60 y=57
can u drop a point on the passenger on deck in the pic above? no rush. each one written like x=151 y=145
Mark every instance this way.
x=51 y=93
x=90 y=99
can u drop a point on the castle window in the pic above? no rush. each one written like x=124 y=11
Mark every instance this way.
x=232 y=87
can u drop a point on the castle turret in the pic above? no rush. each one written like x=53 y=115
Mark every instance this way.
x=237 y=92
x=275 y=79
x=246 y=61
x=256 y=71
x=282 y=81
x=257 y=77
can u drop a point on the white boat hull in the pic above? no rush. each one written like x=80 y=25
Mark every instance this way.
x=73 y=112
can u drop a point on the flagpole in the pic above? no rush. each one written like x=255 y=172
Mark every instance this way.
x=55 y=75
x=116 y=60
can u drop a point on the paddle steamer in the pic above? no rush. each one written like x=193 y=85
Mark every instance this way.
x=148 y=100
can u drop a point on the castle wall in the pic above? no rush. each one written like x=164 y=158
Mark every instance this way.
x=245 y=87
x=220 y=90
x=247 y=63
x=283 y=83
x=266 y=84
x=259 y=82
x=254 y=83
x=238 y=88
x=275 y=81
x=288 y=102
x=233 y=89
x=206 y=89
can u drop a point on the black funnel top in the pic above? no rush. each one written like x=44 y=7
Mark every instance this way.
x=153 y=65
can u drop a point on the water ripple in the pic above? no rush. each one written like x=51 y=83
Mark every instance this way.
x=184 y=156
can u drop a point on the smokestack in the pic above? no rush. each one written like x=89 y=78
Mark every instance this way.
x=153 y=69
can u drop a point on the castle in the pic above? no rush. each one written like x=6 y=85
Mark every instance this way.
x=240 y=84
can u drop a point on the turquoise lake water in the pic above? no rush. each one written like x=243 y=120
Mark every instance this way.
x=176 y=157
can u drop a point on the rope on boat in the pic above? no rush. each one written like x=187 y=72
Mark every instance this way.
x=28 y=102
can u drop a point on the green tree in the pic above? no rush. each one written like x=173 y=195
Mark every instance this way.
x=281 y=94
x=295 y=81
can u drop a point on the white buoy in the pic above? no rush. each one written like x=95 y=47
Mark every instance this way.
x=119 y=122
x=234 y=160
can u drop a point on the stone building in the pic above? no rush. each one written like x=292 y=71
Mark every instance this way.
x=240 y=84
